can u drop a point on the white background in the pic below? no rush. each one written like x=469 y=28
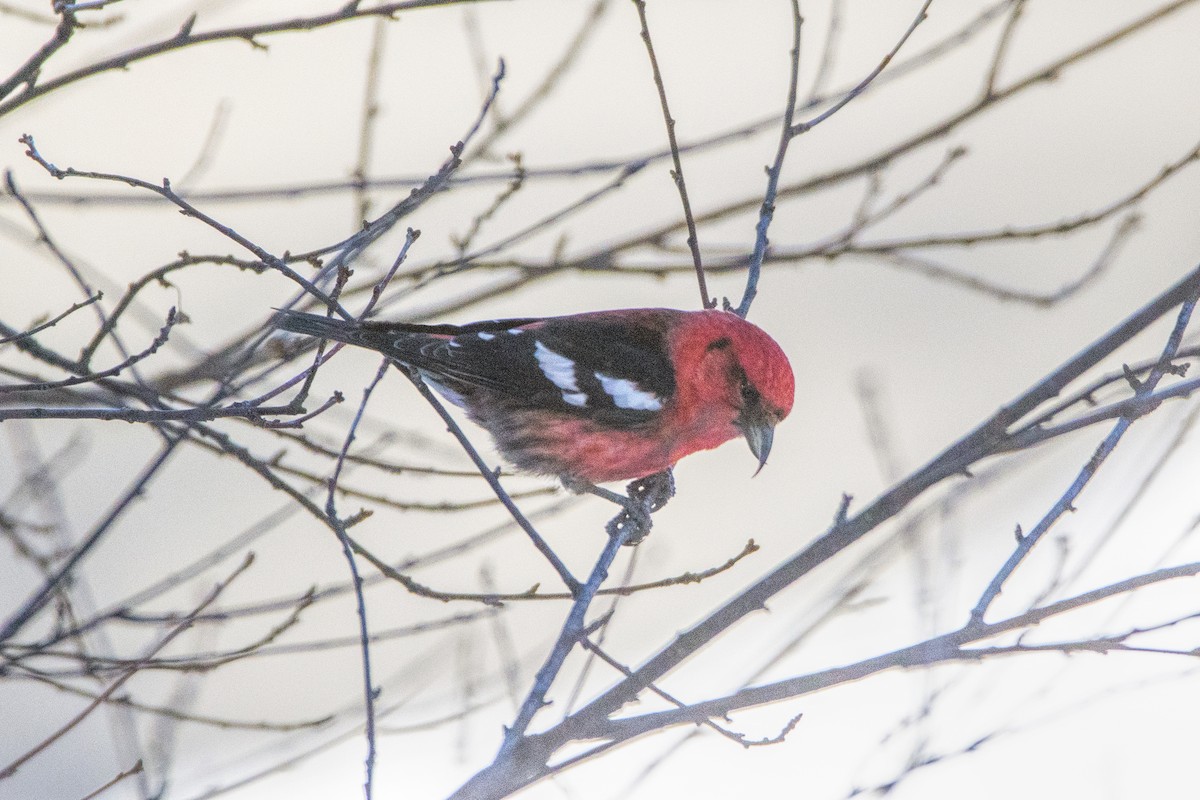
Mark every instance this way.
x=941 y=357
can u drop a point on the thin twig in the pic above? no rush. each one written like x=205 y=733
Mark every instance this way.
x=491 y=476
x=152 y=415
x=134 y=770
x=804 y=127
x=67 y=568
x=28 y=72
x=52 y=322
x=370 y=114
x=502 y=124
x=175 y=713
x=499 y=598
x=369 y=690
x=1067 y=501
x=767 y=210
x=166 y=192
x=1002 y=45
x=828 y=53
x=185 y=37
x=184 y=625
x=693 y=239
x=91 y=377
x=45 y=238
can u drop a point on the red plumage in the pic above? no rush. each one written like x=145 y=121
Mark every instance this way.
x=595 y=397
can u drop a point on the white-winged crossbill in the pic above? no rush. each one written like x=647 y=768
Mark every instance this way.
x=595 y=397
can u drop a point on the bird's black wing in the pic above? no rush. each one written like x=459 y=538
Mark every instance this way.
x=615 y=371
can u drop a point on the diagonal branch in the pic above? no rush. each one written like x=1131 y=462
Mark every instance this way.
x=527 y=761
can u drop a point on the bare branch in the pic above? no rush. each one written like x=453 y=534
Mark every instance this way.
x=693 y=239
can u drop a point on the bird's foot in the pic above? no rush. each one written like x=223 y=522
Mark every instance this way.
x=653 y=490
x=643 y=497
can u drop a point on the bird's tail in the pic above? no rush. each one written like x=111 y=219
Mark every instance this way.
x=318 y=325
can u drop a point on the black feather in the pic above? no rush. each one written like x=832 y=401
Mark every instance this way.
x=498 y=357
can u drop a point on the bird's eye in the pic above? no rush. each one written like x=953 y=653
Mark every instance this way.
x=749 y=393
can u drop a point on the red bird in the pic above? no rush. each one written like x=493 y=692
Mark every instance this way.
x=596 y=397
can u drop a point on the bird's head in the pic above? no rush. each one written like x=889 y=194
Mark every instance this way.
x=740 y=372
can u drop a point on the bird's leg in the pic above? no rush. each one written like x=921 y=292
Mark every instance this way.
x=643 y=497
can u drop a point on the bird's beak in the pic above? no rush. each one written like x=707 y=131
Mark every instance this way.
x=759 y=431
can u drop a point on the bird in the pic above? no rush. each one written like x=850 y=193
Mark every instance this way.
x=593 y=397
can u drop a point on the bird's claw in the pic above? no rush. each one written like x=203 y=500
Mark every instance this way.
x=633 y=524
x=653 y=490
x=643 y=497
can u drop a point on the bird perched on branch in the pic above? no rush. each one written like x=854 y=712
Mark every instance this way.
x=595 y=397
